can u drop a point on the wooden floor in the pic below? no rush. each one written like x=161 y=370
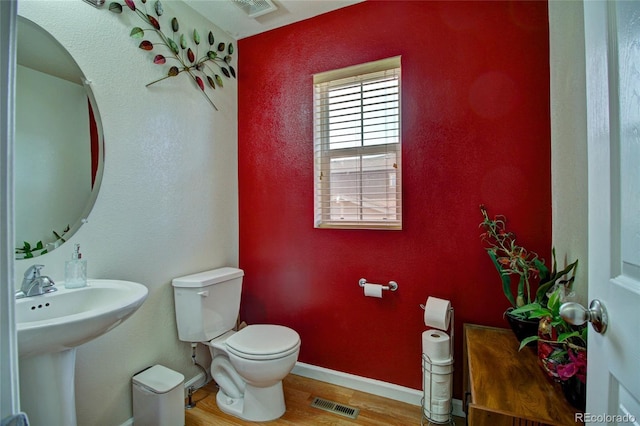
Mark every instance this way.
x=299 y=392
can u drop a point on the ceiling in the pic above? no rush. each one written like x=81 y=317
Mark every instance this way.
x=233 y=20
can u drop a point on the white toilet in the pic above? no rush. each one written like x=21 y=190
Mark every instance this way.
x=248 y=365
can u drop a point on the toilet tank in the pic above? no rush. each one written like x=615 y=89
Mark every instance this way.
x=207 y=303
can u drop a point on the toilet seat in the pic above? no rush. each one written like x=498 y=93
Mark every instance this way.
x=263 y=341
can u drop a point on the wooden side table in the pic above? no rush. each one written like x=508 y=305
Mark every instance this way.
x=507 y=387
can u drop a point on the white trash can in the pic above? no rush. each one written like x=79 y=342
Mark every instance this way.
x=158 y=397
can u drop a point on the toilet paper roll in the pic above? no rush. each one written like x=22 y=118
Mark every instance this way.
x=438 y=410
x=437 y=380
x=442 y=406
x=436 y=344
x=373 y=290
x=437 y=313
x=438 y=388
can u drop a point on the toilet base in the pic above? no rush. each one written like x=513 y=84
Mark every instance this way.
x=257 y=405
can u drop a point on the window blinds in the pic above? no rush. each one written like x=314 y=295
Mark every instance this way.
x=357 y=146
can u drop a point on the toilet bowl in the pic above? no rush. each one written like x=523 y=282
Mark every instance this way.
x=249 y=366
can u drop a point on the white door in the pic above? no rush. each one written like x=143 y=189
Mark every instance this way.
x=612 y=43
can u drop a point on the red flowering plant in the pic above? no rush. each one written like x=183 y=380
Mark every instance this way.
x=562 y=347
x=519 y=268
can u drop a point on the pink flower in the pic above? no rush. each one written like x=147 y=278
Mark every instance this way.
x=577 y=366
x=566 y=371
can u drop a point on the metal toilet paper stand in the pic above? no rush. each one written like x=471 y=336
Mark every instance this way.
x=444 y=369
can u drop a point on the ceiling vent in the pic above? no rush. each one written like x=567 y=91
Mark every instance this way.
x=255 y=8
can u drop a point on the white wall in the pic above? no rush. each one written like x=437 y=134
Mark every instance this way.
x=569 y=137
x=168 y=201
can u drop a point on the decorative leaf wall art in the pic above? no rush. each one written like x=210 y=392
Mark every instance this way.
x=184 y=51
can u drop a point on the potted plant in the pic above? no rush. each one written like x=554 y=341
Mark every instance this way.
x=562 y=347
x=522 y=270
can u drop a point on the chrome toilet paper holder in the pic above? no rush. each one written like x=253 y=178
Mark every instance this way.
x=393 y=286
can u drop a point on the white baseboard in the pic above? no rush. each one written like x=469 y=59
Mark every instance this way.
x=365 y=384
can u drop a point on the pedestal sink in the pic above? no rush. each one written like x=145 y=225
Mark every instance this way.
x=50 y=328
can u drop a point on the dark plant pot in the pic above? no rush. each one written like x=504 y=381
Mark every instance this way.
x=523 y=328
x=575 y=392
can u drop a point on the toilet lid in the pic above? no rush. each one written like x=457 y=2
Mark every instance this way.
x=263 y=340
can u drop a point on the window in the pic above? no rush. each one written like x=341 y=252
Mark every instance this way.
x=357 y=152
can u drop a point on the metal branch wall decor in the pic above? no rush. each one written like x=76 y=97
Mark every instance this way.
x=216 y=59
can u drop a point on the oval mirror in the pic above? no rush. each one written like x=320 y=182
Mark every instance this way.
x=58 y=156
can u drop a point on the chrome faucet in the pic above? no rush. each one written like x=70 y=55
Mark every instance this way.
x=34 y=284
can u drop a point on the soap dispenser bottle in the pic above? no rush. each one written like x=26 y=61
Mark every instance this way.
x=75 y=270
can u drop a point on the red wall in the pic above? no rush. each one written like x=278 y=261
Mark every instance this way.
x=476 y=129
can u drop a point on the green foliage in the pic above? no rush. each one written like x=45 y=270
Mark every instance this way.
x=565 y=331
x=28 y=250
x=556 y=277
x=553 y=286
x=515 y=264
x=520 y=269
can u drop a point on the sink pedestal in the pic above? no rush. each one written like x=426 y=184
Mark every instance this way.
x=47 y=391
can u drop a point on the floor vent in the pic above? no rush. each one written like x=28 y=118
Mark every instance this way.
x=334 y=407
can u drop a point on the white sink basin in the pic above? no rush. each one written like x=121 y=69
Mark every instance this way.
x=67 y=318
x=50 y=327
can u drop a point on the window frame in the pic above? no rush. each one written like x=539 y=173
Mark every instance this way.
x=324 y=154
